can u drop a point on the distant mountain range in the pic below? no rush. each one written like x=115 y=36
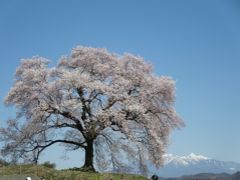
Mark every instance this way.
x=177 y=166
x=207 y=176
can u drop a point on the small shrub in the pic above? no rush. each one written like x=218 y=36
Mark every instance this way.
x=4 y=163
x=49 y=165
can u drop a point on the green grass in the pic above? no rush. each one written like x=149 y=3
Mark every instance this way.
x=52 y=174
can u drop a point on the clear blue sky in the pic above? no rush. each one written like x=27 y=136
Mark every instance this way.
x=195 y=42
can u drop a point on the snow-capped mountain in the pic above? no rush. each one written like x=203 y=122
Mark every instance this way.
x=183 y=160
x=176 y=166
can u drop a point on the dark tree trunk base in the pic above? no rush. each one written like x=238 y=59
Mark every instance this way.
x=87 y=169
x=88 y=165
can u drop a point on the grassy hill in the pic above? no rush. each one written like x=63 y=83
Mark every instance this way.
x=52 y=174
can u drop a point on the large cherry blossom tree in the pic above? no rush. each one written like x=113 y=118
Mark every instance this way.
x=88 y=95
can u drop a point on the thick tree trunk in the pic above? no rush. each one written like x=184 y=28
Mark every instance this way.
x=88 y=165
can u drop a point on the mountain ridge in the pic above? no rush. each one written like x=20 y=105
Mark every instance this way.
x=176 y=166
x=207 y=176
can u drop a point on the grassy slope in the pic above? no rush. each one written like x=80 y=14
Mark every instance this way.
x=51 y=174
